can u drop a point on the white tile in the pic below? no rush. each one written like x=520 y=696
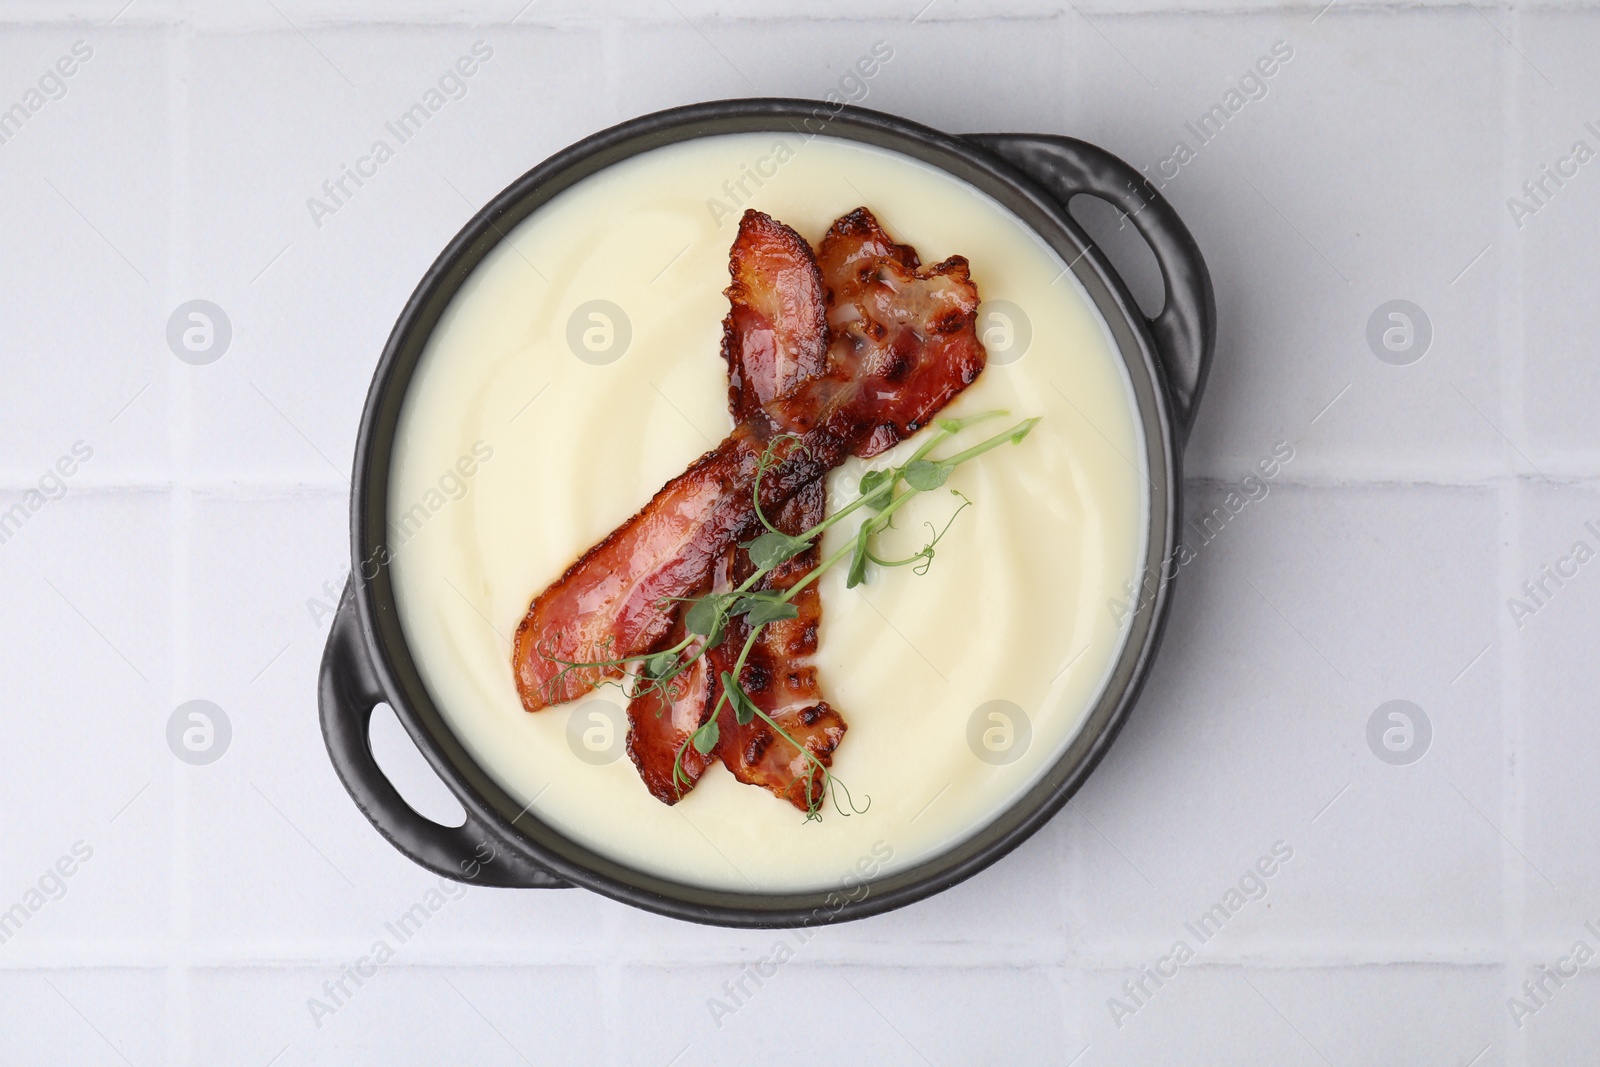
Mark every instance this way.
x=271 y=119
x=397 y=1013
x=91 y=1017
x=1563 y=883
x=277 y=851
x=1556 y=105
x=1297 y=1016
x=718 y=1015
x=930 y=77
x=88 y=653
x=84 y=200
x=1562 y=1028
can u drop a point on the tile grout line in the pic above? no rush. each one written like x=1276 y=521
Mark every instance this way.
x=472 y=15
x=1512 y=413
x=1513 y=748
x=179 y=1043
x=336 y=952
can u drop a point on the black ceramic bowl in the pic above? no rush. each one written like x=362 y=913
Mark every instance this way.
x=367 y=661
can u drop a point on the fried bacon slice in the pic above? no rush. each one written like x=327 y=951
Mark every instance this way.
x=616 y=601
x=776 y=332
x=775 y=335
x=623 y=596
x=878 y=308
x=609 y=605
x=778 y=675
x=660 y=723
x=912 y=329
x=902 y=344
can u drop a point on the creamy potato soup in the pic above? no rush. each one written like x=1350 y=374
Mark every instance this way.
x=579 y=369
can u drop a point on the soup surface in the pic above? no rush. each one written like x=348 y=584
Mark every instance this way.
x=579 y=369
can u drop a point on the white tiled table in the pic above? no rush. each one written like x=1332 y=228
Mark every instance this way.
x=181 y=560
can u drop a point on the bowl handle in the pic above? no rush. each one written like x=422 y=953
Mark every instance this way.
x=348 y=690
x=1186 y=330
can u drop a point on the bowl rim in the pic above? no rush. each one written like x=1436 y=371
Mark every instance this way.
x=513 y=825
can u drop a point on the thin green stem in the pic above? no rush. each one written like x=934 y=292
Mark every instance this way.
x=927 y=550
x=1014 y=435
x=816 y=571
